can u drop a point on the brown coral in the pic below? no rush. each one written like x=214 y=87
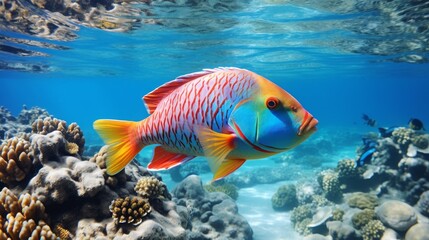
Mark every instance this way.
x=71 y=133
x=62 y=233
x=150 y=188
x=130 y=210
x=15 y=160
x=22 y=218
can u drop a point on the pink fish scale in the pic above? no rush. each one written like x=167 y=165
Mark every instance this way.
x=206 y=101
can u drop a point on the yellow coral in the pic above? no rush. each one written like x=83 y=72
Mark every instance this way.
x=62 y=233
x=130 y=210
x=22 y=218
x=72 y=148
x=15 y=160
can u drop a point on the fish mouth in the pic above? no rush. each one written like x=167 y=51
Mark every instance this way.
x=308 y=125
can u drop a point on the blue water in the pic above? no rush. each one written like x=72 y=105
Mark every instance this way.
x=339 y=59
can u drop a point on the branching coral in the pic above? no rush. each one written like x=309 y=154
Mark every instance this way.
x=23 y=218
x=15 y=160
x=71 y=133
x=373 y=230
x=227 y=188
x=151 y=188
x=362 y=200
x=130 y=210
x=285 y=198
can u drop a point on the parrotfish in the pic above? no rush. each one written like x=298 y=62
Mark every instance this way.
x=228 y=115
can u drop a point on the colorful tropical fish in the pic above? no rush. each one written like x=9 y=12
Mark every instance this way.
x=228 y=115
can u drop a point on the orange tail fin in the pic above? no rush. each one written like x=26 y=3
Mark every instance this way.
x=123 y=140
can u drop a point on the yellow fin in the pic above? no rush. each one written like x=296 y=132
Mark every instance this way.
x=123 y=140
x=227 y=167
x=216 y=148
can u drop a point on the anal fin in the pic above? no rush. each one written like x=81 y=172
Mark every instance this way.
x=163 y=159
x=227 y=167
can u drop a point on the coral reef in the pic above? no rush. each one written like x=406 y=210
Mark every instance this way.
x=423 y=203
x=151 y=188
x=360 y=219
x=23 y=218
x=396 y=215
x=194 y=167
x=331 y=185
x=346 y=168
x=72 y=133
x=373 y=230
x=208 y=215
x=130 y=210
x=20 y=126
x=15 y=160
x=219 y=186
x=362 y=200
x=285 y=198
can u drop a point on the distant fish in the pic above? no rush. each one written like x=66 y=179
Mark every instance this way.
x=416 y=124
x=368 y=121
x=368 y=150
x=228 y=115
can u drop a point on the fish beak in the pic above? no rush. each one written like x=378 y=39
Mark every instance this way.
x=308 y=124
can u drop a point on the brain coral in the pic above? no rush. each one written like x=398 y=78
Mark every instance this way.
x=150 y=188
x=15 y=160
x=130 y=210
x=285 y=198
x=373 y=230
x=72 y=133
x=22 y=218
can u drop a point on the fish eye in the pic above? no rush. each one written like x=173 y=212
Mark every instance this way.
x=272 y=103
x=294 y=109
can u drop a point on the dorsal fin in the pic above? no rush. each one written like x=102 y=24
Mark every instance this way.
x=152 y=99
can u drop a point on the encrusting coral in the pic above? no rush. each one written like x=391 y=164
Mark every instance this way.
x=130 y=210
x=373 y=230
x=285 y=198
x=23 y=218
x=151 y=188
x=72 y=133
x=362 y=200
x=15 y=160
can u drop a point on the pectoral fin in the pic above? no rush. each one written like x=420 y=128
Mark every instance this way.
x=227 y=167
x=216 y=148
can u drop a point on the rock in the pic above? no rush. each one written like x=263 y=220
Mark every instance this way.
x=211 y=215
x=397 y=215
x=390 y=234
x=420 y=231
x=341 y=231
x=321 y=216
